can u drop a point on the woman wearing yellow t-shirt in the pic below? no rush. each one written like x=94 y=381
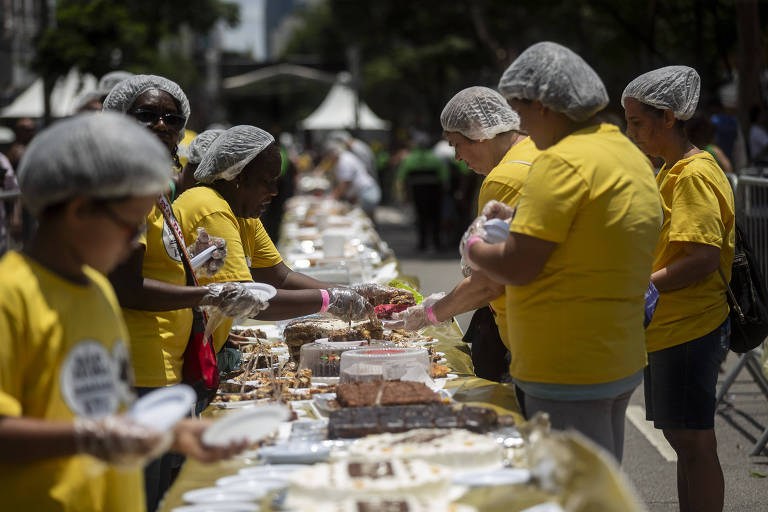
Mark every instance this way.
x=579 y=252
x=485 y=131
x=237 y=179
x=65 y=370
x=688 y=336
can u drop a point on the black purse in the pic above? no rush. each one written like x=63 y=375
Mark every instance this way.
x=747 y=298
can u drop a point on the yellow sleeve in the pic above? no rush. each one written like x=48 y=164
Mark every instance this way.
x=549 y=200
x=492 y=189
x=265 y=253
x=235 y=266
x=11 y=367
x=695 y=215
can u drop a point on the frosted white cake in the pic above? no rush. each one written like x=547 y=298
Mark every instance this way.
x=339 y=481
x=454 y=448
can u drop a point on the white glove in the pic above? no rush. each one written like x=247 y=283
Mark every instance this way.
x=349 y=305
x=233 y=299
x=416 y=317
x=119 y=440
x=201 y=243
x=475 y=229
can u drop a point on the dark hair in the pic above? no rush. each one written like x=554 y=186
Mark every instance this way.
x=679 y=124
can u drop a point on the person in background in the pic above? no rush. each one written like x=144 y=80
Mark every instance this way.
x=197 y=148
x=272 y=218
x=353 y=183
x=108 y=81
x=701 y=132
x=238 y=178
x=579 y=251
x=152 y=284
x=89 y=101
x=425 y=179
x=687 y=339
x=65 y=371
x=485 y=133
x=24 y=128
x=8 y=209
x=358 y=148
x=728 y=134
x=758 y=135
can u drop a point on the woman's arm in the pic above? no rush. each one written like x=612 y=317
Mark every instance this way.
x=282 y=277
x=291 y=304
x=28 y=440
x=473 y=292
x=698 y=261
x=136 y=292
x=517 y=262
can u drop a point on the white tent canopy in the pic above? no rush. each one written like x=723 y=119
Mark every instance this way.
x=337 y=112
x=63 y=97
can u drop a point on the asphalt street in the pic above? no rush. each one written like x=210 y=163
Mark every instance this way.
x=648 y=459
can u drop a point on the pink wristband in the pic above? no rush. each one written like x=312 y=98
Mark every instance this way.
x=470 y=242
x=431 y=315
x=326 y=301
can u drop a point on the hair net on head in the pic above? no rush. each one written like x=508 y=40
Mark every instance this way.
x=200 y=144
x=111 y=79
x=674 y=88
x=84 y=98
x=479 y=113
x=99 y=155
x=124 y=94
x=557 y=77
x=231 y=152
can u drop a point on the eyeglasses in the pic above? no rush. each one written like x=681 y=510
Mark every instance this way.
x=151 y=118
x=132 y=231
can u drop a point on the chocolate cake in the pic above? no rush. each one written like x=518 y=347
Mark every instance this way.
x=362 y=394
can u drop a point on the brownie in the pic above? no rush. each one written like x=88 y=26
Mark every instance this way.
x=358 y=394
x=361 y=394
x=382 y=506
x=478 y=419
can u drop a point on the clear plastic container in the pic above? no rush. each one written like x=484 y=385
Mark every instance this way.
x=388 y=363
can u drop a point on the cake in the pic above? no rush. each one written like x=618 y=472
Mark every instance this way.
x=383 y=363
x=390 y=504
x=453 y=448
x=339 y=481
x=351 y=422
x=363 y=394
x=363 y=332
x=323 y=358
x=306 y=330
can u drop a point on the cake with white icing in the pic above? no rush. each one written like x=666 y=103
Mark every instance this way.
x=339 y=481
x=453 y=448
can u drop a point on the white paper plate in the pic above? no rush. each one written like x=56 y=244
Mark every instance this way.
x=256 y=485
x=508 y=476
x=218 y=507
x=451 y=376
x=252 y=424
x=263 y=290
x=163 y=408
x=295 y=453
x=216 y=495
x=272 y=470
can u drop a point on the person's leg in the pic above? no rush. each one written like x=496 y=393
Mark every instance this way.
x=700 y=482
x=420 y=208
x=618 y=419
x=591 y=418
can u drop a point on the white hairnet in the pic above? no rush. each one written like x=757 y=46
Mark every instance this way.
x=124 y=94
x=231 y=152
x=200 y=144
x=85 y=97
x=479 y=113
x=674 y=88
x=111 y=79
x=100 y=155
x=557 y=77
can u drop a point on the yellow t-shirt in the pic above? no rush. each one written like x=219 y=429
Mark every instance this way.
x=63 y=354
x=581 y=320
x=248 y=245
x=504 y=183
x=698 y=207
x=159 y=338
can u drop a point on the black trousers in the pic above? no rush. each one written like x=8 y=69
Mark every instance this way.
x=428 y=201
x=489 y=355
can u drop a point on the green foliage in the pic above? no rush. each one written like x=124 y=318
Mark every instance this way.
x=98 y=36
x=416 y=55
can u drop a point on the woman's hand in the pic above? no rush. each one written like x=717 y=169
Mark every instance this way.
x=233 y=299
x=494 y=209
x=188 y=439
x=119 y=440
x=417 y=317
x=201 y=243
x=348 y=305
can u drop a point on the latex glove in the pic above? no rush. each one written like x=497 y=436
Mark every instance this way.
x=118 y=440
x=349 y=305
x=494 y=209
x=378 y=294
x=416 y=317
x=201 y=243
x=475 y=229
x=188 y=440
x=233 y=299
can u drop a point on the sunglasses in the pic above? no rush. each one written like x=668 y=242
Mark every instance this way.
x=132 y=231
x=151 y=118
